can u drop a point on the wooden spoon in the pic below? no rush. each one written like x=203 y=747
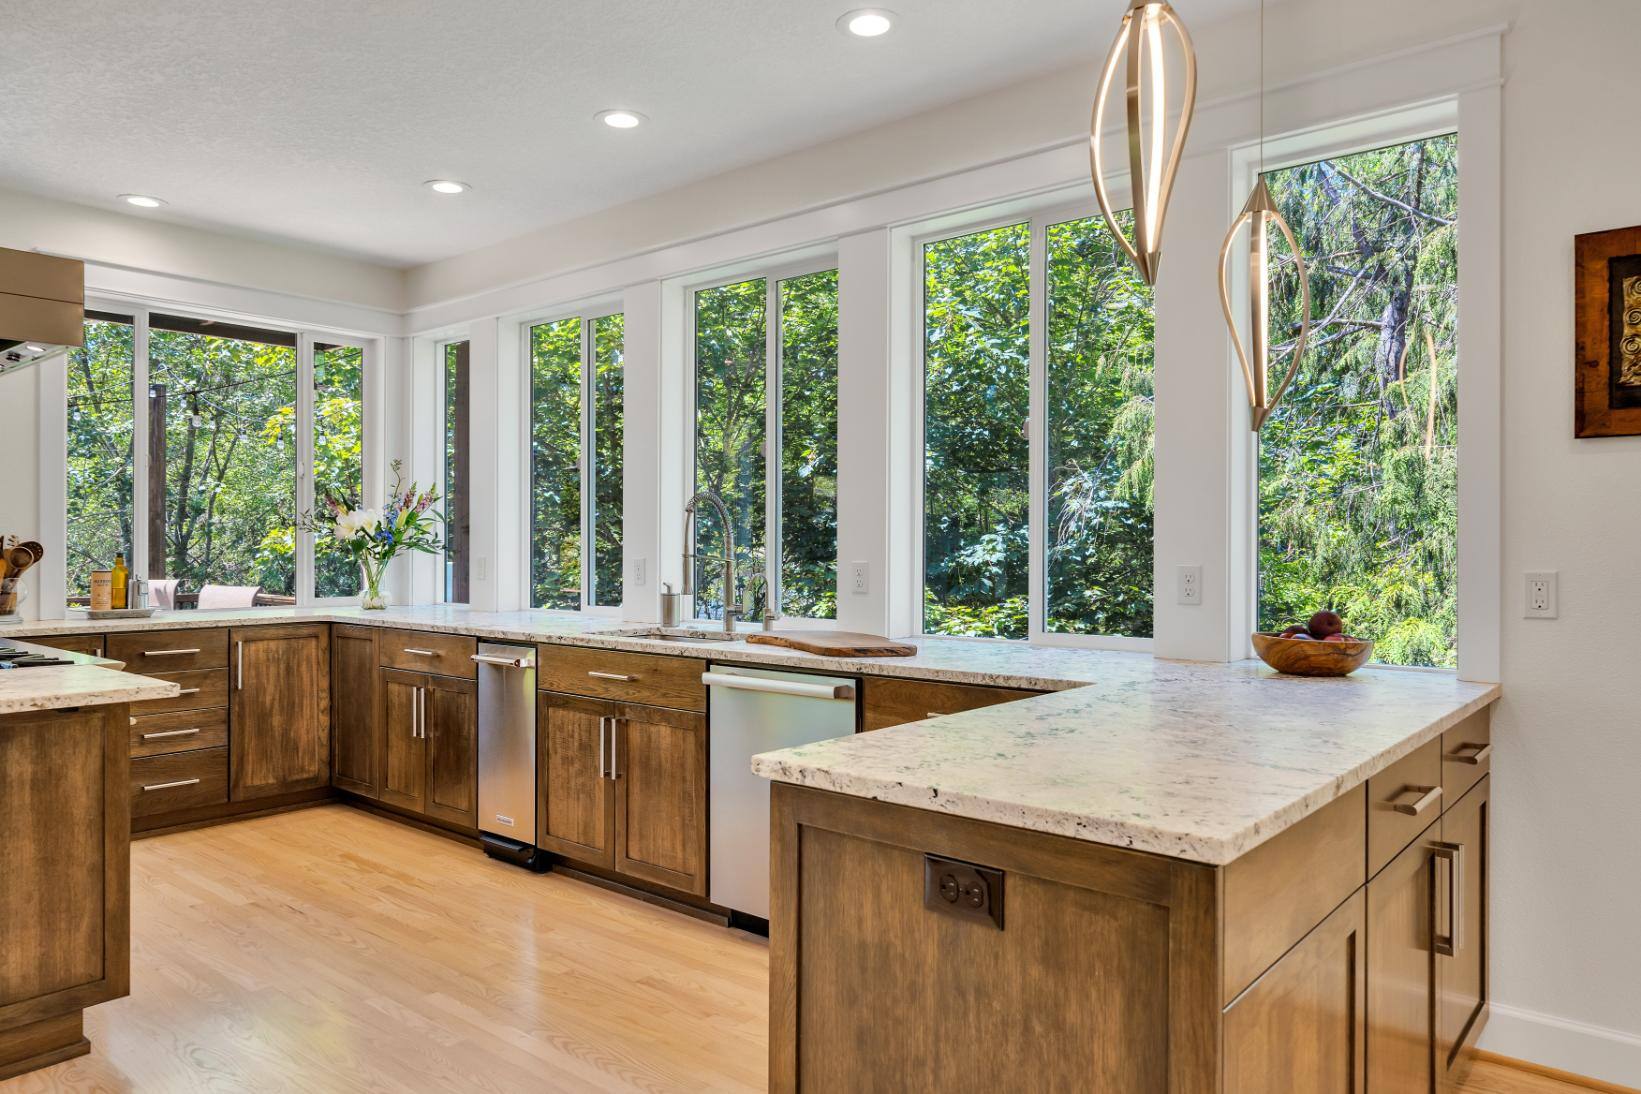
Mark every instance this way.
x=34 y=548
x=20 y=558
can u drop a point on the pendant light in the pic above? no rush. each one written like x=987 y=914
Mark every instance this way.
x=1152 y=159
x=1259 y=213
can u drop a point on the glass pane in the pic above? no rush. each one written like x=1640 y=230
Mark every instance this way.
x=976 y=490
x=555 y=465
x=338 y=455
x=809 y=445
x=729 y=432
x=608 y=434
x=1358 y=467
x=100 y=427
x=457 y=520
x=224 y=406
x=1100 y=431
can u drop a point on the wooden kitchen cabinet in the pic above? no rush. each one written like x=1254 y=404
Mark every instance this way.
x=356 y=726
x=88 y=644
x=1463 y=930
x=430 y=745
x=1401 y=970
x=889 y=701
x=624 y=786
x=279 y=710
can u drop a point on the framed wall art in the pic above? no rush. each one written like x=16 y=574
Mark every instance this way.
x=1607 y=301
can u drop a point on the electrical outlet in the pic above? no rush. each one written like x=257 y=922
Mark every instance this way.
x=638 y=575
x=859 y=574
x=1190 y=585
x=1541 y=594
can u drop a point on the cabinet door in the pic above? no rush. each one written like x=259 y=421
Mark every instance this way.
x=1401 y=971
x=1300 y=1026
x=89 y=644
x=404 y=750
x=355 y=716
x=892 y=702
x=575 y=813
x=659 y=762
x=1462 y=911
x=279 y=710
x=451 y=736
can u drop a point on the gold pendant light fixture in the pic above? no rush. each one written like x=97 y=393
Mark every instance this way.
x=1152 y=159
x=1259 y=214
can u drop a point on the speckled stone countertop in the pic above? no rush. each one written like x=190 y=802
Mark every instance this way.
x=89 y=681
x=1194 y=760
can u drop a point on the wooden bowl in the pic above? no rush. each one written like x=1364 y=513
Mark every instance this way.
x=1297 y=657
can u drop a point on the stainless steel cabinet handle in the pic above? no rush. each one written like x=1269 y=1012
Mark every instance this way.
x=169 y=653
x=170 y=785
x=421 y=712
x=615 y=756
x=777 y=686
x=1451 y=853
x=421 y=653
x=621 y=676
x=1428 y=796
x=189 y=691
x=1470 y=753
x=935 y=714
x=500 y=662
x=169 y=733
x=603 y=737
x=239 y=648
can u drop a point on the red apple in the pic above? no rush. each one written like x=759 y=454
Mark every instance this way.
x=1337 y=638
x=1324 y=624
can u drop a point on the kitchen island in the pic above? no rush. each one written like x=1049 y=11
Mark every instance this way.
x=1183 y=878
x=64 y=851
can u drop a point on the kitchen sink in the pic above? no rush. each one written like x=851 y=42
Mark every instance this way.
x=677 y=634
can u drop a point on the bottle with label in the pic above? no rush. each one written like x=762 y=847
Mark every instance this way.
x=122 y=577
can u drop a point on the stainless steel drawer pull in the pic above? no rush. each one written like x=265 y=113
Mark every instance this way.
x=421 y=653
x=169 y=733
x=1470 y=753
x=169 y=653
x=1428 y=796
x=603 y=743
x=935 y=714
x=189 y=691
x=171 y=785
x=1447 y=944
x=621 y=676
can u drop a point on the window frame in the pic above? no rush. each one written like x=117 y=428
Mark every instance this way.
x=588 y=315
x=772 y=276
x=54 y=580
x=1477 y=382
x=1038 y=217
x=441 y=581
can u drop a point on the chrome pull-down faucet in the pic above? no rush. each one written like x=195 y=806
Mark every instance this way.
x=731 y=608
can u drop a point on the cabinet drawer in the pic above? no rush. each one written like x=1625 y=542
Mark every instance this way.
x=440 y=654
x=200 y=688
x=1402 y=801
x=651 y=679
x=89 y=644
x=1467 y=749
x=179 y=731
x=170 y=651
x=181 y=780
x=896 y=702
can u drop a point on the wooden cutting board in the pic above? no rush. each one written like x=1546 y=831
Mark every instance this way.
x=834 y=643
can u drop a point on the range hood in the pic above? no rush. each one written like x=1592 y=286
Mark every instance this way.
x=42 y=306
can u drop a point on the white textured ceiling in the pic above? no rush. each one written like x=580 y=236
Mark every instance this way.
x=316 y=121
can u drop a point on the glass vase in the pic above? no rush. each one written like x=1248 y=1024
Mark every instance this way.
x=372 y=598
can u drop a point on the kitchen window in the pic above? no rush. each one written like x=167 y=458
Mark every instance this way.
x=454 y=357
x=766 y=383
x=576 y=449
x=1358 y=466
x=184 y=443
x=1030 y=532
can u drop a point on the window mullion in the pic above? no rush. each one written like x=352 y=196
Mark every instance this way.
x=587 y=466
x=1037 y=433
x=772 y=443
x=303 y=542
x=142 y=503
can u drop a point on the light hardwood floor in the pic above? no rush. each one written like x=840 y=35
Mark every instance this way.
x=332 y=950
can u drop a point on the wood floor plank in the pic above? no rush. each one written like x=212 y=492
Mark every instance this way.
x=331 y=949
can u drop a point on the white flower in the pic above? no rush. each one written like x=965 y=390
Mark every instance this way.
x=360 y=521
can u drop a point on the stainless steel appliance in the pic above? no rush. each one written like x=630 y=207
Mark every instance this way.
x=507 y=752
x=753 y=711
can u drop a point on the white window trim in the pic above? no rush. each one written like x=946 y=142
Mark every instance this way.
x=772 y=276
x=1038 y=214
x=1473 y=115
x=53 y=410
x=588 y=316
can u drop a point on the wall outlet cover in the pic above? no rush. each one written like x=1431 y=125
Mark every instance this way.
x=1541 y=599
x=1190 y=585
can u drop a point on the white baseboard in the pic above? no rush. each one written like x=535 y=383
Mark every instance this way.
x=1592 y=1051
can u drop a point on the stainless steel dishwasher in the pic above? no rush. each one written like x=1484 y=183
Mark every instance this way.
x=507 y=753
x=753 y=711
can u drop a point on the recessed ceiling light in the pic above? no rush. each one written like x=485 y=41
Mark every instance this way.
x=867 y=22
x=620 y=119
x=447 y=186
x=141 y=201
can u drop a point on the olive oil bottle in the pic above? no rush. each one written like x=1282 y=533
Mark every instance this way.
x=122 y=580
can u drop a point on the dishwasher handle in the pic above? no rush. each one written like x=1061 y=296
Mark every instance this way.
x=502 y=662
x=778 y=687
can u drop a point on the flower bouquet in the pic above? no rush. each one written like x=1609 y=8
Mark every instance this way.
x=374 y=537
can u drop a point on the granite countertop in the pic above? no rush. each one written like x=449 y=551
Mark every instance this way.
x=1194 y=761
x=89 y=681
